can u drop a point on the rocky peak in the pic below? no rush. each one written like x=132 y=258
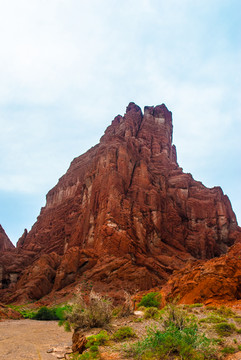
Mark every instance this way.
x=21 y=240
x=125 y=215
x=124 y=126
x=5 y=243
x=153 y=130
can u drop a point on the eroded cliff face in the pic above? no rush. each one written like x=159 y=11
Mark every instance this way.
x=125 y=214
x=217 y=280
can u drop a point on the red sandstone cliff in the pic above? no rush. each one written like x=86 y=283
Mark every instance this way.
x=214 y=281
x=124 y=214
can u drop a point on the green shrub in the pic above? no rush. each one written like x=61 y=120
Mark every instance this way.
x=94 y=348
x=212 y=319
x=45 y=313
x=225 y=329
x=225 y=311
x=97 y=313
x=152 y=299
x=123 y=333
x=211 y=307
x=228 y=350
x=237 y=318
x=97 y=340
x=87 y=355
x=191 y=306
x=174 y=342
x=61 y=311
x=138 y=320
x=27 y=314
x=152 y=313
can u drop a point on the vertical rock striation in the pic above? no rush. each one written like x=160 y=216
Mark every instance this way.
x=125 y=214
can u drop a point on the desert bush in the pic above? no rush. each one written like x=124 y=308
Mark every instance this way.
x=61 y=311
x=45 y=313
x=123 y=333
x=225 y=329
x=225 y=311
x=212 y=319
x=175 y=316
x=211 y=307
x=91 y=354
x=127 y=308
x=185 y=343
x=116 y=311
x=97 y=313
x=152 y=299
x=228 y=350
x=152 y=313
x=191 y=306
x=97 y=340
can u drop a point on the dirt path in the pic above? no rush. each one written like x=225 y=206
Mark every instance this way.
x=30 y=339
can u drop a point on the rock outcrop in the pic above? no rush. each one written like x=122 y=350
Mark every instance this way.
x=5 y=243
x=125 y=215
x=8 y=313
x=214 y=281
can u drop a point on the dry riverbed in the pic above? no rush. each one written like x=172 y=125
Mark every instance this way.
x=31 y=339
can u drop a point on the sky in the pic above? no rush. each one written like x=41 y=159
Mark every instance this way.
x=68 y=67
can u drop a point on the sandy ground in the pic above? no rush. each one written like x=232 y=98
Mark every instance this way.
x=30 y=339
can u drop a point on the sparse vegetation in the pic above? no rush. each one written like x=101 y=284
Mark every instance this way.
x=176 y=316
x=185 y=343
x=228 y=350
x=96 y=313
x=225 y=311
x=152 y=313
x=44 y=312
x=152 y=299
x=213 y=318
x=225 y=329
x=125 y=332
x=180 y=332
x=191 y=306
x=97 y=340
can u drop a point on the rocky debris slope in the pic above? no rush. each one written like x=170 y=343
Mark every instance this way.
x=214 y=281
x=124 y=215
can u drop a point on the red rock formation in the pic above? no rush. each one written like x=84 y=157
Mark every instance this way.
x=5 y=243
x=214 y=281
x=8 y=313
x=125 y=214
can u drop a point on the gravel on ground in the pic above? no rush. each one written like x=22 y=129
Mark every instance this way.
x=31 y=339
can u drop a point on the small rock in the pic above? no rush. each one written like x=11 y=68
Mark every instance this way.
x=50 y=351
x=60 y=356
x=139 y=313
